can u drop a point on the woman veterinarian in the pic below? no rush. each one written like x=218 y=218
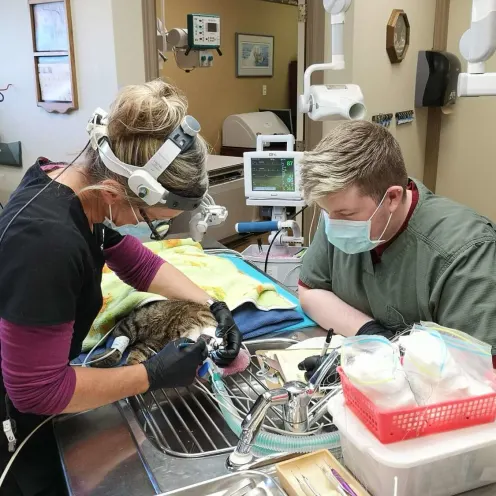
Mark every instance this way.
x=54 y=242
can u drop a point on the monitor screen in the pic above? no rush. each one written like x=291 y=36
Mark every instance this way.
x=273 y=175
x=212 y=27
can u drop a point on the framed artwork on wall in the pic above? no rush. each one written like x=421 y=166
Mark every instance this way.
x=254 y=55
x=397 y=36
x=53 y=53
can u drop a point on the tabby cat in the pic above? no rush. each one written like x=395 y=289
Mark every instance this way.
x=152 y=326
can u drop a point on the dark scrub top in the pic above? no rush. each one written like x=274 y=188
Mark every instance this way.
x=50 y=273
x=441 y=268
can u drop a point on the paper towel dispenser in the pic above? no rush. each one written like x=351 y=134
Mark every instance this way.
x=241 y=130
x=437 y=78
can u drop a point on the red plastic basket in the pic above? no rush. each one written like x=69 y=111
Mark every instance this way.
x=397 y=425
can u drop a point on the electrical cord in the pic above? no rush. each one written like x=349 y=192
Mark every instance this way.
x=19 y=212
x=14 y=456
x=292 y=217
x=311 y=225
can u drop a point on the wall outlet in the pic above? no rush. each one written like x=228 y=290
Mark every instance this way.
x=264 y=89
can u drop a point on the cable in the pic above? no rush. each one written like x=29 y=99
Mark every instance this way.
x=289 y=273
x=292 y=217
x=223 y=251
x=85 y=363
x=14 y=456
x=311 y=225
x=1 y=205
x=38 y=194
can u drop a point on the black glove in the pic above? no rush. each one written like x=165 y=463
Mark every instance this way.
x=373 y=328
x=312 y=363
x=229 y=332
x=174 y=366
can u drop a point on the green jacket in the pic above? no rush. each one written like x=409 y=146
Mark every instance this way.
x=442 y=268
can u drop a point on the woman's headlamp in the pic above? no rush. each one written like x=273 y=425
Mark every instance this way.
x=143 y=180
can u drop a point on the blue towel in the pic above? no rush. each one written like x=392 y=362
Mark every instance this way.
x=259 y=276
x=253 y=322
x=80 y=359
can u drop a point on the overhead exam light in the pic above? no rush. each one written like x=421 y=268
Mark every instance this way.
x=326 y=102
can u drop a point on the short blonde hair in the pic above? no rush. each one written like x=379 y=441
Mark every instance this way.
x=355 y=153
x=140 y=120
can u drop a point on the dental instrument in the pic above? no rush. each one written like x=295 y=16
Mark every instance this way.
x=327 y=343
x=330 y=477
x=304 y=485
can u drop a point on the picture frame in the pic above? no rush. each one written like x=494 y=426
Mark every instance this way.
x=53 y=55
x=254 y=55
x=397 y=36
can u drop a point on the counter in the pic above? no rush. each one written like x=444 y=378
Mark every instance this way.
x=104 y=452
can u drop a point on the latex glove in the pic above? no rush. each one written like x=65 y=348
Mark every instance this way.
x=312 y=363
x=373 y=328
x=229 y=332
x=174 y=366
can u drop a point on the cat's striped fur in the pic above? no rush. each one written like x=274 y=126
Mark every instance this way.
x=152 y=326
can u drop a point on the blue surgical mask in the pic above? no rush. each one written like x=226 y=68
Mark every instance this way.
x=353 y=236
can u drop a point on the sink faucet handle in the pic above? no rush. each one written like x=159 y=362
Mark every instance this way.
x=323 y=371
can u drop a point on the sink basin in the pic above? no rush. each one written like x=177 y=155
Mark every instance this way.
x=187 y=423
x=249 y=483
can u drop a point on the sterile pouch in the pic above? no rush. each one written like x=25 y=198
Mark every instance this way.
x=471 y=355
x=433 y=374
x=372 y=364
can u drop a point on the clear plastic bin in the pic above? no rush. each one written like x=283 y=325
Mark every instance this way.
x=283 y=265
x=438 y=465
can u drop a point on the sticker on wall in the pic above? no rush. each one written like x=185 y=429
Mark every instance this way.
x=404 y=117
x=383 y=119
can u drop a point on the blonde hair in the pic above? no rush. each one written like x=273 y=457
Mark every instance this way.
x=140 y=120
x=355 y=153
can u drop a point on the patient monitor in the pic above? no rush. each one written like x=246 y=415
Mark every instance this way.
x=273 y=178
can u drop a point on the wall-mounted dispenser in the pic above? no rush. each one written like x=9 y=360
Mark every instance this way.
x=437 y=79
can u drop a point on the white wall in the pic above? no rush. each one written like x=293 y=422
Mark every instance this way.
x=467 y=170
x=108 y=43
x=388 y=88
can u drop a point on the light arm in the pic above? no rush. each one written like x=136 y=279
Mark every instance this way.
x=208 y=215
x=477 y=45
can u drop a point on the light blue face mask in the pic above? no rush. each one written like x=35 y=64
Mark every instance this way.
x=353 y=236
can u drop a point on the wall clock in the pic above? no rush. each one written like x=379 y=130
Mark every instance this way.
x=397 y=36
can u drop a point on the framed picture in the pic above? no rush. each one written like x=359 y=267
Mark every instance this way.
x=53 y=54
x=254 y=55
x=397 y=36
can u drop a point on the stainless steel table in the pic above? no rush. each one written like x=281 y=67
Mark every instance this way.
x=105 y=453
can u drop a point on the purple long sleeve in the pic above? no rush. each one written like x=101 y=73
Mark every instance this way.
x=134 y=263
x=35 y=368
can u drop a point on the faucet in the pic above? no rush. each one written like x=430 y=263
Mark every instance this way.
x=252 y=423
x=295 y=398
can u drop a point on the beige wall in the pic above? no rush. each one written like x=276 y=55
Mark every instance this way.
x=104 y=62
x=467 y=169
x=215 y=93
x=389 y=88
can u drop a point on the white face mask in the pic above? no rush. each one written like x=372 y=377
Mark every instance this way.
x=108 y=222
x=353 y=236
